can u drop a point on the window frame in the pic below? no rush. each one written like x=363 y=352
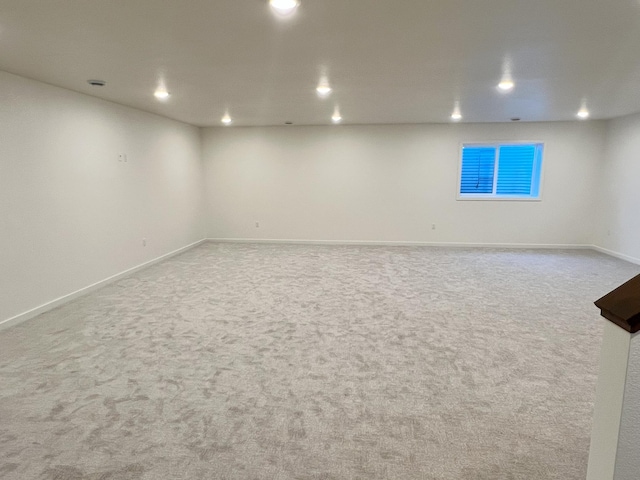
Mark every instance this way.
x=493 y=196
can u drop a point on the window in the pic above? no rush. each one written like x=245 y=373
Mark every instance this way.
x=500 y=171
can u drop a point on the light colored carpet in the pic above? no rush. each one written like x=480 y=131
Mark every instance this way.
x=314 y=363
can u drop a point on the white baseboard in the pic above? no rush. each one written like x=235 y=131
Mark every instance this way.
x=22 y=317
x=621 y=256
x=402 y=243
x=531 y=246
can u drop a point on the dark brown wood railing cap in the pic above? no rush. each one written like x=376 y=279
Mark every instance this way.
x=622 y=306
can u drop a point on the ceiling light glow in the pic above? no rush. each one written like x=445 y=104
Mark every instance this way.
x=323 y=88
x=506 y=81
x=284 y=7
x=161 y=93
x=226 y=119
x=506 y=85
x=456 y=116
x=336 y=118
x=583 y=113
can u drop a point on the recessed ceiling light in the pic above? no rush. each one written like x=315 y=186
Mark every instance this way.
x=336 y=118
x=506 y=81
x=97 y=83
x=284 y=7
x=323 y=88
x=456 y=116
x=161 y=93
x=506 y=85
x=226 y=119
x=583 y=113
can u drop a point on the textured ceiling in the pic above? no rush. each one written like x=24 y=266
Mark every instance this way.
x=388 y=61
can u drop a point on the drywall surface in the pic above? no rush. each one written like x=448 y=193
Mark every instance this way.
x=72 y=211
x=393 y=183
x=618 y=229
x=627 y=459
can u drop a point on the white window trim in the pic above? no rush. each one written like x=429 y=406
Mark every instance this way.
x=490 y=197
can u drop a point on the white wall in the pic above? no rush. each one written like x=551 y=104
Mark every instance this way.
x=71 y=214
x=391 y=183
x=619 y=211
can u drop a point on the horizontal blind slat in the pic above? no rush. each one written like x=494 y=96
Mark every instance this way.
x=515 y=169
x=478 y=165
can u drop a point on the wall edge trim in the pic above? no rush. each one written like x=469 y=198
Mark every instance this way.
x=45 y=307
x=615 y=254
x=401 y=243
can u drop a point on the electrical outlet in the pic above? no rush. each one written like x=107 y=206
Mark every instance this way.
x=257 y=224
x=433 y=226
x=144 y=242
x=122 y=157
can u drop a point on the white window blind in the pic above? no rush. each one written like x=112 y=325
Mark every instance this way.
x=500 y=171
